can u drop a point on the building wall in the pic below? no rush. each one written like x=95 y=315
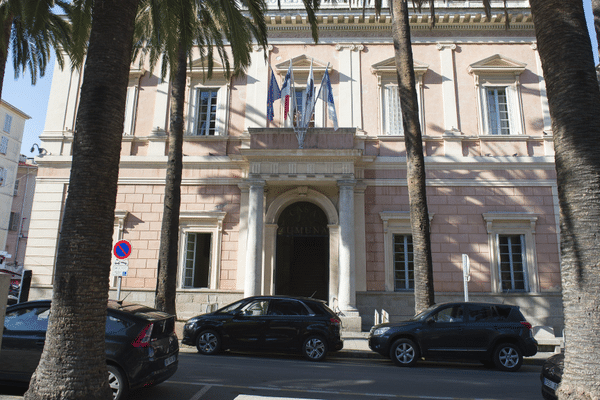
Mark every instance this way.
x=478 y=185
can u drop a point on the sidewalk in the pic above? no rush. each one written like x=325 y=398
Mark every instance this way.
x=356 y=346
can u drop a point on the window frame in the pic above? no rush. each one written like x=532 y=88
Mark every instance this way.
x=408 y=262
x=509 y=223
x=201 y=222
x=196 y=83
x=523 y=254
x=4 y=145
x=185 y=267
x=8 y=119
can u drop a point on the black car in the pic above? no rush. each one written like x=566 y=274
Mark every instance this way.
x=268 y=323
x=141 y=344
x=494 y=334
x=551 y=375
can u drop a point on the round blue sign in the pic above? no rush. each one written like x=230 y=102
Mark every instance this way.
x=122 y=249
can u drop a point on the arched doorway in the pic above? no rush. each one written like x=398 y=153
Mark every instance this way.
x=302 y=253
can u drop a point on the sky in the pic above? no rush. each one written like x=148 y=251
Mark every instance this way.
x=33 y=100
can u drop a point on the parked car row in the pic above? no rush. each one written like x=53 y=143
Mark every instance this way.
x=142 y=347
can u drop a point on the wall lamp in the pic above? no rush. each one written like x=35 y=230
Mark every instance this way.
x=41 y=151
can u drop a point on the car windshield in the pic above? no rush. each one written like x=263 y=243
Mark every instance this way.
x=230 y=308
x=426 y=311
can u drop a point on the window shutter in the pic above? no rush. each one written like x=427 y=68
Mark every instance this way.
x=3 y=145
x=7 y=123
x=3 y=176
x=514 y=110
x=221 y=111
x=130 y=108
x=193 y=112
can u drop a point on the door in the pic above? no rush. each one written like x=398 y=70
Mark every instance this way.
x=286 y=321
x=246 y=329
x=443 y=334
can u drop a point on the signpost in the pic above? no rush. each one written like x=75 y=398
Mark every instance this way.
x=121 y=251
x=466 y=274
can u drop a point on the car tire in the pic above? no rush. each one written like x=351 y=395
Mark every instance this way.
x=208 y=342
x=314 y=348
x=117 y=382
x=508 y=357
x=404 y=353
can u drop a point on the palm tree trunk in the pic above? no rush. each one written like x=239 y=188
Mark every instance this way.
x=7 y=26
x=419 y=215
x=73 y=363
x=574 y=100
x=167 y=273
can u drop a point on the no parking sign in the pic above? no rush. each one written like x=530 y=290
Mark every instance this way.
x=122 y=249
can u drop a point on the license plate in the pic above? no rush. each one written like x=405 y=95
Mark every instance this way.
x=170 y=360
x=550 y=384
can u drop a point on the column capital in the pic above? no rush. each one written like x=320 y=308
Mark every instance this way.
x=445 y=46
x=346 y=183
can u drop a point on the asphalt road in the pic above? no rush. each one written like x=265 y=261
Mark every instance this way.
x=237 y=376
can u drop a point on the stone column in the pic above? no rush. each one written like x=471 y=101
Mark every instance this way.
x=347 y=292
x=350 y=89
x=254 y=240
x=448 y=86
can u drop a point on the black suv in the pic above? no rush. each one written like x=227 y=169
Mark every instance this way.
x=270 y=323
x=495 y=334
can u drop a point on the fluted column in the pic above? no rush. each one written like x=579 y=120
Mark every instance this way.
x=347 y=292
x=254 y=240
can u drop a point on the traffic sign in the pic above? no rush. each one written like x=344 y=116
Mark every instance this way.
x=122 y=249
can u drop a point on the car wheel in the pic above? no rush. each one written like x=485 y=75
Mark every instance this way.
x=508 y=357
x=314 y=348
x=208 y=342
x=404 y=353
x=117 y=382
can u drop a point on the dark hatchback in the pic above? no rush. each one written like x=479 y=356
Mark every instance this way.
x=495 y=334
x=141 y=344
x=267 y=323
x=551 y=375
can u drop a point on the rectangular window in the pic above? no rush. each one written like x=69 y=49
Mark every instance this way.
x=14 y=222
x=207 y=112
x=7 y=123
x=197 y=260
x=498 y=111
x=392 y=111
x=16 y=193
x=4 y=145
x=404 y=270
x=3 y=176
x=511 y=252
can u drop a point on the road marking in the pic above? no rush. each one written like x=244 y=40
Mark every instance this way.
x=207 y=387
x=201 y=392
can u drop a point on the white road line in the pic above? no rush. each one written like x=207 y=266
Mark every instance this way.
x=201 y=392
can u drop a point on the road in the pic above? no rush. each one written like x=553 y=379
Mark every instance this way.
x=237 y=376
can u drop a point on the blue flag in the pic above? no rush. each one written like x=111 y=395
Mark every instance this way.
x=326 y=94
x=274 y=94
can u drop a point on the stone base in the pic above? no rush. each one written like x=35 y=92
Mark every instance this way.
x=351 y=321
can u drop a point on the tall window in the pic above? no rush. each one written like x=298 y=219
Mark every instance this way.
x=511 y=253
x=4 y=145
x=404 y=270
x=392 y=111
x=498 y=111
x=207 y=112
x=7 y=123
x=3 y=176
x=13 y=224
x=197 y=260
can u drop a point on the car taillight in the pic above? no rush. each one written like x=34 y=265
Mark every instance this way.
x=335 y=321
x=526 y=324
x=143 y=338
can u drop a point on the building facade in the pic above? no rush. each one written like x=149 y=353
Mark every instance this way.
x=12 y=124
x=264 y=212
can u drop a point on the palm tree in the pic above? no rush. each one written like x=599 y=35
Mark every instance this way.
x=73 y=362
x=574 y=100
x=201 y=23
x=31 y=29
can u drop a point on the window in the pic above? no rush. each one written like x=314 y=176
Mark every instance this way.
x=15 y=221
x=197 y=260
x=497 y=81
x=206 y=101
x=398 y=250
x=287 y=307
x=27 y=320
x=391 y=112
x=16 y=192
x=256 y=308
x=449 y=314
x=201 y=234
x=3 y=176
x=512 y=251
x=498 y=114
x=7 y=123
x=512 y=263
x=4 y=145
x=404 y=270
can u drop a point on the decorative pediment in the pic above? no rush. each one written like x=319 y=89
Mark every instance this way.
x=136 y=73
x=497 y=64
x=389 y=67
x=199 y=67
x=301 y=66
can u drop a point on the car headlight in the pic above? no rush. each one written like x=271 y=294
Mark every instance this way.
x=381 y=331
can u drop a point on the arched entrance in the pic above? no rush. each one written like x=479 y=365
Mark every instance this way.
x=302 y=252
